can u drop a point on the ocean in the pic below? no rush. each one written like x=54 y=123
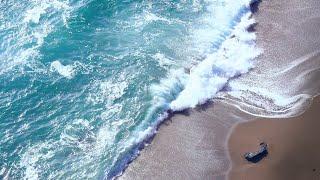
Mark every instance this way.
x=83 y=83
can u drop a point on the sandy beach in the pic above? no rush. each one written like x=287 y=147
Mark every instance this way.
x=189 y=146
x=287 y=30
x=194 y=145
x=293 y=147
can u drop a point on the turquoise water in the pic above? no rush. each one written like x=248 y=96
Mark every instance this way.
x=82 y=83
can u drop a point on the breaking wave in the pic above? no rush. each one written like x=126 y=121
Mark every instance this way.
x=84 y=84
x=227 y=50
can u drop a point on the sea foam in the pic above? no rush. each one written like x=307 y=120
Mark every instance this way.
x=233 y=58
x=66 y=71
x=104 y=125
x=228 y=49
x=25 y=32
x=229 y=56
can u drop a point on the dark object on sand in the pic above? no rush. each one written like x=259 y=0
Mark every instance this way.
x=259 y=155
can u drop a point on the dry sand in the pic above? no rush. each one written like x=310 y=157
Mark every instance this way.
x=293 y=147
x=188 y=146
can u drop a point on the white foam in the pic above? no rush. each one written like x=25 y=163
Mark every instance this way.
x=233 y=58
x=218 y=21
x=147 y=17
x=40 y=7
x=30 y=160
x=112 y=90
x=19 y=47
x=105 y=136
x=66 y=71
x=107 y=91
x=227 y=48
x=34 y=14
x=268 y=93
x=170 y=85
x=268 y=106
x=163 y=60
x=150 y=17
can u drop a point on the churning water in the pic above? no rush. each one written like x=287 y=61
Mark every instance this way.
x=83 y=82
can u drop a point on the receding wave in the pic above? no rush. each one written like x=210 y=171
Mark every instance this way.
x=280 y=91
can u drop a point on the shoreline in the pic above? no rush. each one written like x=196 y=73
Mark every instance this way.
x=189 y=145
x=174 y=120
x=194 y=144
x=287 y=32
x=292 y=147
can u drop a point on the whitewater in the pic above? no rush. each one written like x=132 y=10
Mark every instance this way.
x=83 y=83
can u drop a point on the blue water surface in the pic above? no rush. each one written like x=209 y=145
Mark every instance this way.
x=81 y=118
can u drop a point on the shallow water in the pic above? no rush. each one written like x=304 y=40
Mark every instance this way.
x=82 y=83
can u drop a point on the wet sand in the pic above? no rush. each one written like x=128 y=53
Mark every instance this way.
x=293 y=147
x=189 y=146
x=288 y=31
x=194 y=145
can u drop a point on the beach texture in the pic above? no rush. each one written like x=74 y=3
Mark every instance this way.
x=188 y=146
x=293 y=147
x=193 y=146
x=288 y=30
